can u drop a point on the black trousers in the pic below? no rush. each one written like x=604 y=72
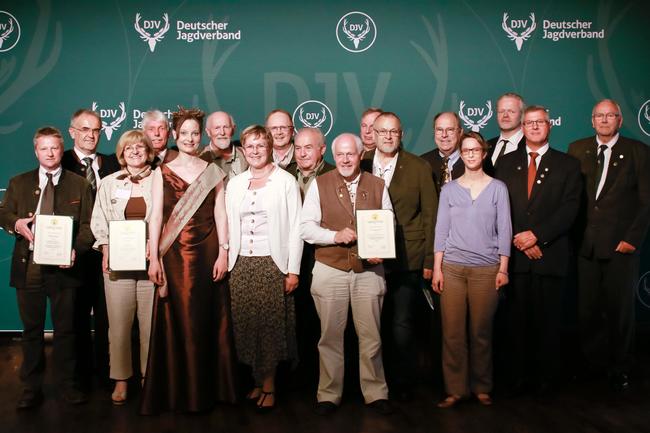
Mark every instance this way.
x=92 y=354
x=32 y=303
x=402 y=315
x=606 y=296
x=534 y=316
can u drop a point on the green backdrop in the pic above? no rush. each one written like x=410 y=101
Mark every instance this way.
x=247 y=57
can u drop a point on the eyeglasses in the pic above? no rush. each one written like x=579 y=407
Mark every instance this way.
x=387 y=132
x=608 y=116
x=472 y=151
x=85 y=130
x=138 y=147
x=280 y=128
x=537 y=123
x=447 y=131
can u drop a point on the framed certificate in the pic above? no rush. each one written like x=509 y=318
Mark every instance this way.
x=376 y=234
x=127 y=245
x=53 y=240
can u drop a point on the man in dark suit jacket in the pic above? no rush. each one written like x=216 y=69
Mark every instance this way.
x=544 y=187
x=613 y=225
x=84 y=160
x=445 y=160
x=47 y=190
x=310 y=148
x=415 y=203
x=510 y=108
x=156 y=126
x=366 y=130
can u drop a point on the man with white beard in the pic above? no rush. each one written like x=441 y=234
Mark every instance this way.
x=220 y=127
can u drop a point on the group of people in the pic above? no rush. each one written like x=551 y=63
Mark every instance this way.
x=240 y=233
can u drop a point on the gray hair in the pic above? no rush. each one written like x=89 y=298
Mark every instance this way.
x=317 y=131
x=154 y=116
x=357 y=141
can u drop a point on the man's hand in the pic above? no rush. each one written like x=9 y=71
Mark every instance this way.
x=533 y=253
x=23 y=228
x=105 y=259
x=524 y=240
x=427 y=274
x=345 y=236
x=625 y=248
x=375 y=261
x=73 y=256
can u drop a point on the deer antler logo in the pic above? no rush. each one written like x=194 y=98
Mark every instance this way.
x=115 y=124
x=475 y=126
x=156 y=37
x=358 y=28
x=11 y=27
x=314 y=114
x=644 y=117
x=514 y=36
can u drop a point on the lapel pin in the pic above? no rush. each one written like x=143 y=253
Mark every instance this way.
x=519 y=167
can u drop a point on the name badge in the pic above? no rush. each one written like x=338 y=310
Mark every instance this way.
x=122 y=193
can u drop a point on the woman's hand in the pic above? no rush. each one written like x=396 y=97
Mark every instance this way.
x=437 y=281
x=220 y=267
x=156 y=273
x=105 y=259
x=501 y=279
x=290 y=283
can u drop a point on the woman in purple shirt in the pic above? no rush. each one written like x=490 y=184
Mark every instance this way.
x=472 y=247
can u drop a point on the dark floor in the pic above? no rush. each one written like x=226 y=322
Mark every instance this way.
x=576 y=407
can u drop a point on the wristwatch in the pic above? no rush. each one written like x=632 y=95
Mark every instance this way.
x=225 y=246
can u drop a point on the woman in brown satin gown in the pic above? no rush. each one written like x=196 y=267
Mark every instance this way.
x=191 y=362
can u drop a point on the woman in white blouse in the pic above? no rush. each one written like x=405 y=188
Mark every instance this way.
x=263 y=206
x=125 y=195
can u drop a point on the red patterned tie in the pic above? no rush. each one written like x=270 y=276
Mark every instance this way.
x=532 y=171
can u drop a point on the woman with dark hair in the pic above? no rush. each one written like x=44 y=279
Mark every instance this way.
x=471 y=252
x=191 y=358
x=125 y=195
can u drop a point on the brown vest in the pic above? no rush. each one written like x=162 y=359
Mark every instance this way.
x=337 y=214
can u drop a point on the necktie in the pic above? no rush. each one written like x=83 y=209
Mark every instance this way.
x=502 y=152
x=446 y=176
x=601 y=164
x=47 y=202
x=532 y=171
x=90 y=173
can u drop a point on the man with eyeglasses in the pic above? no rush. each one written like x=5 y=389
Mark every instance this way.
x=222 y=150
x=612 y=228
x=510 y=108
x=415 y=202
x=445 y=159
x=544 y=187
x=90 y=303
x=281 y=126
x=156 y=126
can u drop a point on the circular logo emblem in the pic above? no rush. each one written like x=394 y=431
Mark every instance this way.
x=9 y=31
x=356 y=32
x=643 y=290
x=644 y=117
x=313 y=114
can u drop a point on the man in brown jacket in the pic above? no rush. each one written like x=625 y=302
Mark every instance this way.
x=342 y=279
x=47 y=190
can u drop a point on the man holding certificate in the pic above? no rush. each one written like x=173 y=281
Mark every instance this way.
x=341 y=278
x=47 y=191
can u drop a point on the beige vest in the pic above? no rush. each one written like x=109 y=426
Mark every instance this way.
x=337 y=214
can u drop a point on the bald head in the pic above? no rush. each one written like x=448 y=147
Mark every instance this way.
x=220 y=127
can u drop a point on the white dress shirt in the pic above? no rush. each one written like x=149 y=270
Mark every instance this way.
x=540 y=152
x=42 y=181
x=385 y=172
x=608 y=157
x=94 y=165
x=311 y=216
x=510 y=143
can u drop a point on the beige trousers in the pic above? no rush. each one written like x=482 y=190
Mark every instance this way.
x=468 y=289
x=333 y=292
x=125 y=298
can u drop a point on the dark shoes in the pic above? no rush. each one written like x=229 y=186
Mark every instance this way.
x=620 y=382
x=261 y=407
x=324 y=408
x=73 y=396
x=381 y=406
x=449 y=402
x=30 y=399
